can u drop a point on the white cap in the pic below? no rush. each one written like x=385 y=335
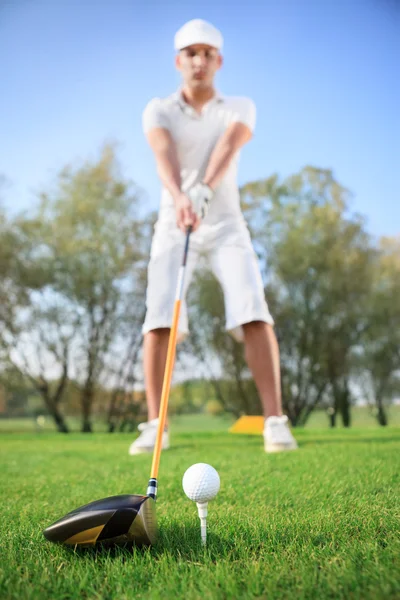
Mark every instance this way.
x=198 y=31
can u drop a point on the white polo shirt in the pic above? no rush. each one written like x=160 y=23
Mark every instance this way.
x=195 y=136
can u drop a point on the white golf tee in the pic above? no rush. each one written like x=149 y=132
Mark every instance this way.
x=203 y=512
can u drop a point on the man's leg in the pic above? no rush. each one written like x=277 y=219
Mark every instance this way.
x=262 y=356
x=247 y=312
x=163 y=272
x=237 y=270
x=155 y=347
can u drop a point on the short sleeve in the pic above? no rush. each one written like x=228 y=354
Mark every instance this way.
x=154 y=116
x=245 y=112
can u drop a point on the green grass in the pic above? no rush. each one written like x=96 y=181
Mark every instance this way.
x=361 y=417
x=182 y=423
x=318 y=523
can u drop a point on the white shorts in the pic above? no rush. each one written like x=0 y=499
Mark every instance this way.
x=229 y=254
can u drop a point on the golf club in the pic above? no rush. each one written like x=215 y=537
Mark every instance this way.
x=125 y=518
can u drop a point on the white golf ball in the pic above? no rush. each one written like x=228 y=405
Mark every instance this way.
x=201 y=482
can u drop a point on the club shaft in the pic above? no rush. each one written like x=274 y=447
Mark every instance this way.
x=169 y=366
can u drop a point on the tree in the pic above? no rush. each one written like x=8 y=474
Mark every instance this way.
x=88 y=246
x=316 y=259
x=12 y=273
x=379 y=354
x=98 y=254
x=39 y=347
x=21 y=277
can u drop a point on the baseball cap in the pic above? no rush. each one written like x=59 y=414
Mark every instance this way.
x=198 y=31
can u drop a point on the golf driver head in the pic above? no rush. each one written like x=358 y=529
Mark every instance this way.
x=110 y=521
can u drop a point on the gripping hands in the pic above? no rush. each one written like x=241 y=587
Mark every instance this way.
x=193 y=206
x=200 y=195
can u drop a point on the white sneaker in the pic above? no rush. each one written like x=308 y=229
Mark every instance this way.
x=277 y=435
x=147 y=439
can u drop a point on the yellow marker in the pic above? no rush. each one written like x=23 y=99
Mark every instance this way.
x=248 y=424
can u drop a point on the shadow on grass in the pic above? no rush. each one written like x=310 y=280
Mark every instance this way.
x=183 y=542
x=178 y=541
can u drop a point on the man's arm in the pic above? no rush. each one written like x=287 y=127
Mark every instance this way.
x=164 y=150
x=236 y=136
x=168 y=169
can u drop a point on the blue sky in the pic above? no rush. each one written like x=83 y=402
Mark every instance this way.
x=323 y=73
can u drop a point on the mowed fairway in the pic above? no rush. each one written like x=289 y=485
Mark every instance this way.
x=322 y=522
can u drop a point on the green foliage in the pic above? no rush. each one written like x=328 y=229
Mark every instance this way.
x=72 y=300
x=214 y=408
x=14 y=293
x=321 y=267
x=85 y=256
x=378 y=359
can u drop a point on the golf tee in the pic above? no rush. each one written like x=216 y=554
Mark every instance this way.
x=202 y=508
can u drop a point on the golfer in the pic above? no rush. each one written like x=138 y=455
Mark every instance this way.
x=196 y=135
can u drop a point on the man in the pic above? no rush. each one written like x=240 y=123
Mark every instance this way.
x=196 y=135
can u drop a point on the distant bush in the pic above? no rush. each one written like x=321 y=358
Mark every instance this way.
x=214 y=408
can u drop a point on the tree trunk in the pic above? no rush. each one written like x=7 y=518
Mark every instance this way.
x=381 y=415
x=307 y=409
x=87 y=399
x=111 y=415
x=131 y=415
x=124 y=377
x=345 y=406
x=242 y=394
x=341 y=394
x=52 y=407
x=332 y=417
x=59 y=421
x=86 y=426
x=346 y=415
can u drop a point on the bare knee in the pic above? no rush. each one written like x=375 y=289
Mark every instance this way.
x=155 y=336
x=255 y=327
x=159 y=331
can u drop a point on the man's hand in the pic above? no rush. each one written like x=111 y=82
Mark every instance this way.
x=192 y=207
x=201 y=196
x=185 y=215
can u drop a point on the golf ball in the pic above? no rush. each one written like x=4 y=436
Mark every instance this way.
x=201 y=482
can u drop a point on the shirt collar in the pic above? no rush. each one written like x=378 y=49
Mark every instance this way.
x=218 y=97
